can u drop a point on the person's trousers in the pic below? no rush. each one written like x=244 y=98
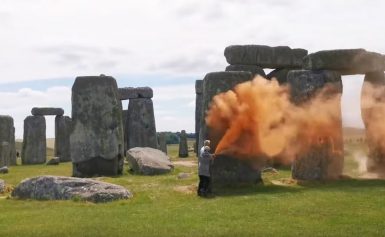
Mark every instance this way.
x=204 y=185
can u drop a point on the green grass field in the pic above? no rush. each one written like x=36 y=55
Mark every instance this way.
x=166 y=206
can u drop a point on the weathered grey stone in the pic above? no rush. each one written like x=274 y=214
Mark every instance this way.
x=135 y=92
x=4 y=170
x=198 y=110
x=265 y=56
x=2 y=186
x=7 y=141
x=65 y=188
x=279 y=74
x=183 y=148
x=227 y=170
x=255 y=70
x=372 y=113
x=62 y=138
x=162 y=142
x=304 y=83
x=4 y=153
x=148 y=161
x=213 y=84
x=198 y=86
x=125 y=116
x=34 y=141
x=96 y=139
x=54 y=161
x=346 y=61
x=47 y=111
x=325 y=159
x=141 y=130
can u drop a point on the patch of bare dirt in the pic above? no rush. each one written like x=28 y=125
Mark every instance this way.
x=185 y=163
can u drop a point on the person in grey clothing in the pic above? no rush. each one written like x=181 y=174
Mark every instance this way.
x=205 y=158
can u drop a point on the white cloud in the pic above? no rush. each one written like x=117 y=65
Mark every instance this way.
x=19 y=104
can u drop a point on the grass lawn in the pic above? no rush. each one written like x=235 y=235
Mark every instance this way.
x=166 y=206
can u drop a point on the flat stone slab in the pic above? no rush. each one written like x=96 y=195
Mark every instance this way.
x=148 y=161
x=255 y=70
x=265 y=56
x=346 y=61
x=65 y=188
x=46 y=111
x=126 y=93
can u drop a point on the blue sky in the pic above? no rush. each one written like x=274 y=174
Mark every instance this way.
x=164 y=44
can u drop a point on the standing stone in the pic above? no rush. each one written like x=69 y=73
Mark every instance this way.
x=346 y=61
x=198 y=110
x=373 y=112
x=141 y=131
x=255 y=70
x=7 y=141
x=279 y=74
x=324 y=160
x=265 y=56
x=162 y=142
x=96 y=139
x=125 y=116
x=225 y=170
x=183 y=148
x=34 y=141
x=62 y=138
x=4 y=154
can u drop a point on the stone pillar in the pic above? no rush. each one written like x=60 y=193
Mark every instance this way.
x=141 y=131
x=198 y=110
x=125 y=116
x=279 y=74
x=7 y=136
x=4 y=154
x=62 y=138
x=34 y=141
x=372 y=112
x=162 y=142
x=225 y=170
x=96 y=138
x=183 y=148
x=325 y=159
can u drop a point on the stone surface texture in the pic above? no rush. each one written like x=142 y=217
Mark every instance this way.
x=183 y=148
x=255 y=70
x=65 y=188
x=279 y=74
x=148 y=161
x=34 y=141
x=140 y=127
x=265 y=56
x=96 y=138
x=162 y=142
x=198 y=110
x=126 y=93
x=47 y=111
x=62 y=138
x=346 y=61
x=7 y=141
